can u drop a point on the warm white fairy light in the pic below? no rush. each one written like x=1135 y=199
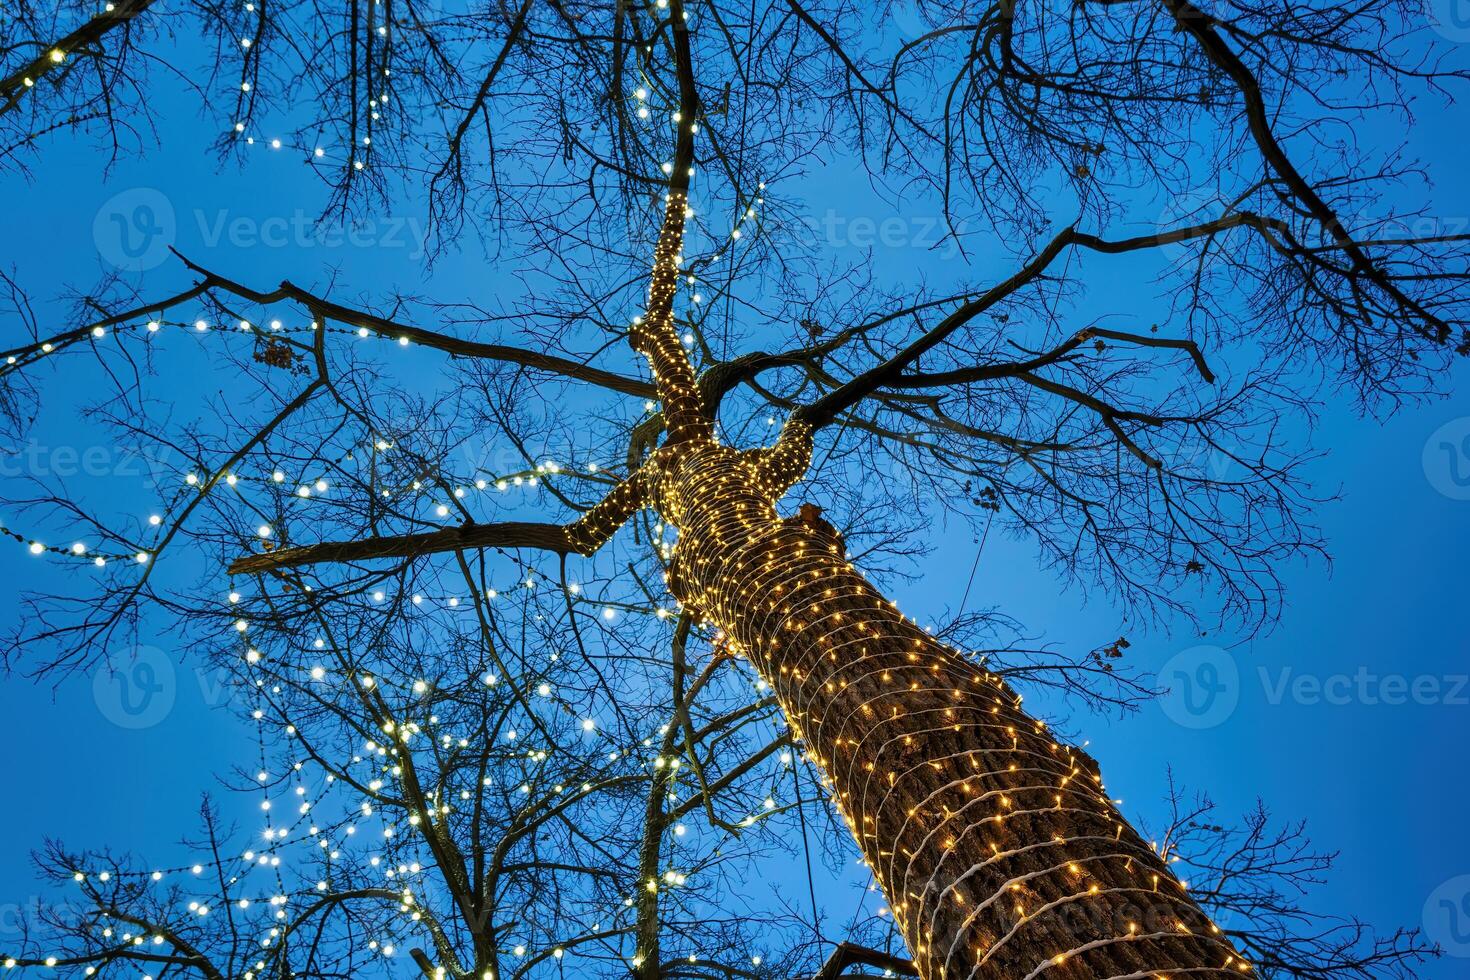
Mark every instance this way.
x=767 y=478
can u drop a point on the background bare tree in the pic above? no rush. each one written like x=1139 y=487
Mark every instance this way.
x=370 y=519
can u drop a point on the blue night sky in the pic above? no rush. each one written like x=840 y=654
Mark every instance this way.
x=1352 y=714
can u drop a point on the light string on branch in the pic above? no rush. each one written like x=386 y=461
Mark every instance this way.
x=201 y=478
x=304 y=830
x=984 y=831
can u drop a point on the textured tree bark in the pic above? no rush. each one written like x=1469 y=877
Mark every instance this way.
x=999 y=852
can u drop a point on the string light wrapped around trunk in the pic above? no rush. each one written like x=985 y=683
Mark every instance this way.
x=997 y=846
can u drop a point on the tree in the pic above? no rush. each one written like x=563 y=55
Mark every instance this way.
x=994 y=840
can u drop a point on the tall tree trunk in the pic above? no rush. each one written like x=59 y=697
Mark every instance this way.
x=999 y=852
